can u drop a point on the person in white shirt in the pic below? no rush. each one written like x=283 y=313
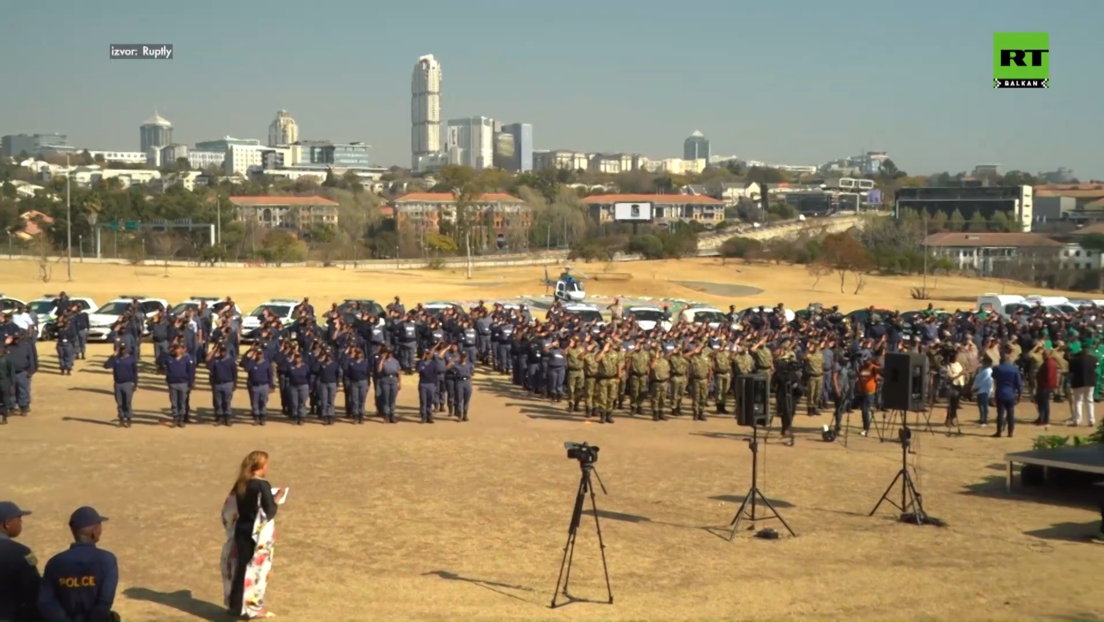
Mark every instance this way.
x=22 y=319
x=955 y=376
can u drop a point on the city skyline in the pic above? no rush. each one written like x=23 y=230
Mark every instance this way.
x=932 y=107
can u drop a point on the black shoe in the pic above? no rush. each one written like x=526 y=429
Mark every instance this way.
x=177 y=422
x=3 y=420
x=23 y=412
x=464 y=417
x=663 y=418
x=226 y=421
x=430 y=420
x=127 y=422
x=256 y=421
x=996 y=434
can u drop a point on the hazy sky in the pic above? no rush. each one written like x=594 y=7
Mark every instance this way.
x=792 y=83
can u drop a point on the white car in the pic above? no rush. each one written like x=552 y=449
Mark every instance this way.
x=47 y=314
x=647 y=318
x=703 y=315
x=282 y=308
x=103 y=320
x=439 y=307
x=214 y=302
x=588 y=313
x=8 y=305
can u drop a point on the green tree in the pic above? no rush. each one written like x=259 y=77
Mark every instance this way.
x=1000 y=222
x=957 y=222
x=977 y=223
x=740 y=247
x=441 y=243
x=649 y=246
x=1092 y=242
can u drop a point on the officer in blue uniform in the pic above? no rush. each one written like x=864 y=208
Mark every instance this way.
x=427 y=385
x=557 y=371
x=18 y=568
x=327 y=373
x=66 y=345
x=460 y=372
x=80 y=583
x=223 y=379
x=124 y=373
x=180 y=370
x=389 y=381
x=441 y=357
x=299 y=379
x=82 y=324
x=20 y=351
x=259 y=378
x=357 y=370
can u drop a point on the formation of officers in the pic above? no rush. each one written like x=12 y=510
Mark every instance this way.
x=77 y=584
x=303 y=360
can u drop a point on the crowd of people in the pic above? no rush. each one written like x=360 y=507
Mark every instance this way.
x=830 y=361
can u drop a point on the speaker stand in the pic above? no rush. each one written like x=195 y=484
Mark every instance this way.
x=755 y=495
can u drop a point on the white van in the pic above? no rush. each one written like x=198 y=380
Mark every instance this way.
x=997 y=303
x=1046 y=301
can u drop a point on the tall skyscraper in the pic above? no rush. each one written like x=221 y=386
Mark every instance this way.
x=523 y=146
x=155 y=132
x=474 y=136
x=696 y=147
x=283 y=130
x=425 y=109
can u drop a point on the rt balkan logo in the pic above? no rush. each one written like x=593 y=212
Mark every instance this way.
x=1021 y=60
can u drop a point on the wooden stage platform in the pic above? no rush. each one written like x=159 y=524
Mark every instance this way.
x=1086 y=458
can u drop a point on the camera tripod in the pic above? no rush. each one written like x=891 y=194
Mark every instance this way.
x=911 y=506
x=754 y=496
x=585 y=488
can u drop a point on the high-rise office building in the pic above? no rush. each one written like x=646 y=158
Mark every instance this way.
x=523 y=146
x=155 y=132
x=696 y=147
x=475 y=137
x=34 y=144
x=425 y=109
x=283 y=130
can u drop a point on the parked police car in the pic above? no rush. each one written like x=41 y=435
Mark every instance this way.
x=281 y=308
x=103 y=320
x=46 y=310
x=9 y=305
x=214 y=302
x=647 y=318
x=586 y=312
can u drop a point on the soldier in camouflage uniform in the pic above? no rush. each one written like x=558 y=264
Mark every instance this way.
x=701 y=371
x=722 y=378
x=575 y=380
x=680 y=367
x=660 y=372
x=638 y=366
x=609 y=378
x=814 y=374
x=622 y=370
x=764 y=360
x=590 y=380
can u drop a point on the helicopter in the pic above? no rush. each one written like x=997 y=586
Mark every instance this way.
x=568 y=287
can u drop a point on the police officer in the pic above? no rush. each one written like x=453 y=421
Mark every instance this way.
x=680 y=369
x=407 y=338
x=124 y=373
x=66 y=345
x=299 y=379
x=7 y=383
x=427 y=385
x=722 y=378
x=260 y=382
x=638 y=367
x=159 y=327
x=609 y=375
x=458 y=374
x=357 y=370
x=223 y=378
x=575 y=379
x=590 y=379
x=557 y=362
x=80 y=583
x=180 y=370
x=389 y=383
x=24 y=365
x=328 y=374
x=19 y=579
x=82 y=324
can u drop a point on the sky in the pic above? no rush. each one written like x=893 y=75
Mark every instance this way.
x=782 y=82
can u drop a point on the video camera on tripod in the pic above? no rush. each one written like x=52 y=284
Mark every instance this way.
x=584 y=453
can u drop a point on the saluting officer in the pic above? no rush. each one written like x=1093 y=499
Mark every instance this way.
x=814 y=372
x=18 y=568
x=388 y=382
x=66 y=345
x=357 y=370
x=609 y=372
x=427 y=385
x=7 y=383
x=680 y=368
x=328 y=374
x=660 y=372
x=82 y=324
x=259 y=379
x=124 y=373
x=80 y=583
x=180 y=370
x=556 y=371
x=722 y=378
x=223 y=379
x=638 y=367
x=299 y=379
x=575 y=380
x=590 y=379
x=701 y=371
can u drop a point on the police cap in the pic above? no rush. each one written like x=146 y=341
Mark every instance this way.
x=11 y=511
x=85 y=517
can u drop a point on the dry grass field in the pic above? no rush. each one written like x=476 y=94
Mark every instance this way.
x=467 y=522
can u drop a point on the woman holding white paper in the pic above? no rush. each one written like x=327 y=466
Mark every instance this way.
x=249 y=517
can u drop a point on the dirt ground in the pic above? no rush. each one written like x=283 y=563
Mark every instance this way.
x=468 y=521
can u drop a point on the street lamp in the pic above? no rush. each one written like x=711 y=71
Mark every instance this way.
x=68 y=219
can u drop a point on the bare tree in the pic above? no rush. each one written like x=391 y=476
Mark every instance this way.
x=166 y=244
x=818 y=270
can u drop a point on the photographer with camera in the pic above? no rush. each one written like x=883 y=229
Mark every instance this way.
x=866 y=388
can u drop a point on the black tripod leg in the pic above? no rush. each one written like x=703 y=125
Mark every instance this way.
x=770 y=507
x=885 y=495
x=912 y=501
x=569 y=547
x=601 y=546
x=739 y=517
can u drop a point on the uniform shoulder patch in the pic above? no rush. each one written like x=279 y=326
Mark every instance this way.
x=31 y=559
